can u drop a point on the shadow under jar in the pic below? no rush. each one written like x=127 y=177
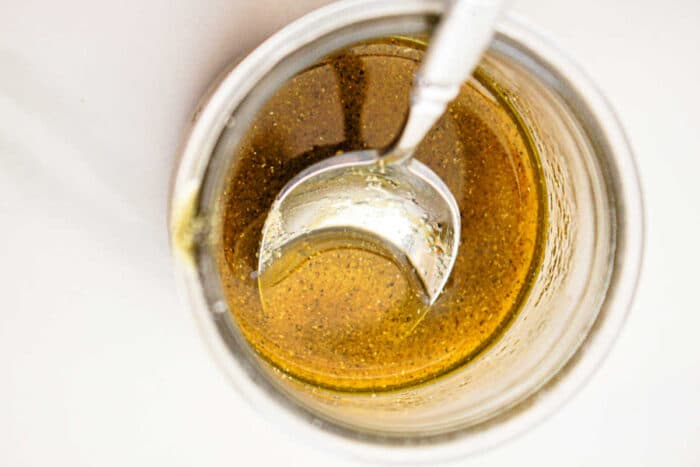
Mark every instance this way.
x=578 y=297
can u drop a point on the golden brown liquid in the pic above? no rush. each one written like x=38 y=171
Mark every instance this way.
x=346 y=317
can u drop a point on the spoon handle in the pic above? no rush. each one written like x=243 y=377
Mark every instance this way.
x=461 y=37
x=457 y=44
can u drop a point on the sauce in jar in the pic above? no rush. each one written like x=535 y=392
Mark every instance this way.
x=347 y=317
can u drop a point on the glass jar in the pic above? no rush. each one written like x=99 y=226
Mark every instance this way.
x=577 y=304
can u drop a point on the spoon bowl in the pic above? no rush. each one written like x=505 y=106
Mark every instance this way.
x=404 y=211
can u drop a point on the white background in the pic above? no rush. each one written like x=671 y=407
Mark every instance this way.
x=100 y=361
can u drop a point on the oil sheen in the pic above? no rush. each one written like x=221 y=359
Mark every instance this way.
x=347 y=316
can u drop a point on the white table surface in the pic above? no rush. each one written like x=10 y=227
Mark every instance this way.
x=100 y=360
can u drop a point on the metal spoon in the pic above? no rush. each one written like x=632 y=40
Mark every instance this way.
x=384 y=198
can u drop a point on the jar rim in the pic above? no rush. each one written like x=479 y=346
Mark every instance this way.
x=210 y=120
